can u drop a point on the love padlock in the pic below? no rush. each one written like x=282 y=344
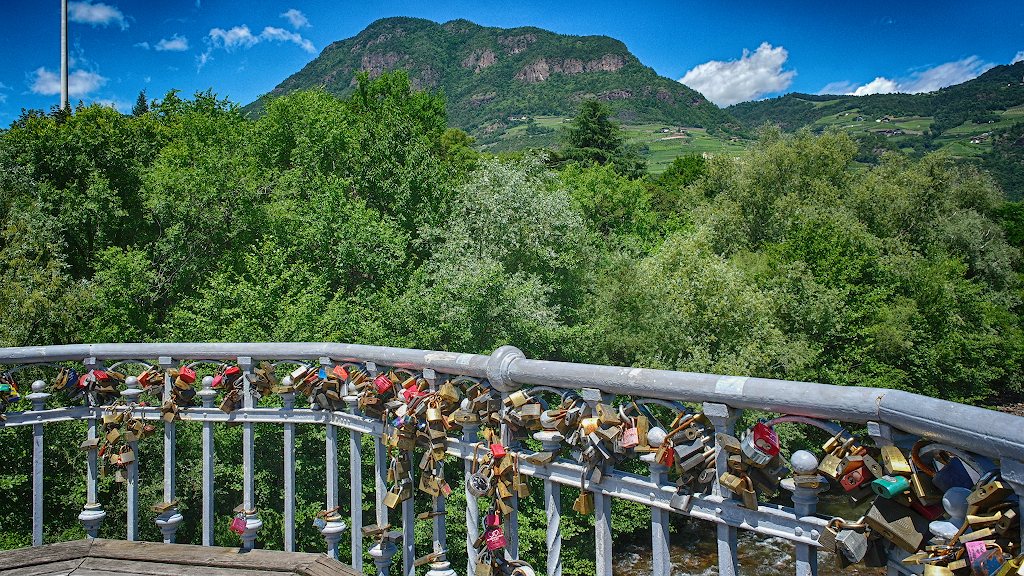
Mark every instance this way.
x=495 y=538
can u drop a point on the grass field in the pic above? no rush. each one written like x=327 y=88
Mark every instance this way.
x=662 y=142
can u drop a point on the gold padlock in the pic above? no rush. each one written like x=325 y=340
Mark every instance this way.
x=894 y=462
x=391 y=499
x=585 y=503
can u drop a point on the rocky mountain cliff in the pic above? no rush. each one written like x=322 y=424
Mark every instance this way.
x=489 y=75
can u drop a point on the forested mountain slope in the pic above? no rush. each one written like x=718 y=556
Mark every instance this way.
x=491 y=74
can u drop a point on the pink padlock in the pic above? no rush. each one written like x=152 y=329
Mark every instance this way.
x=495 y=538
x=238 y=525
x=492 y=520
x=217 y=381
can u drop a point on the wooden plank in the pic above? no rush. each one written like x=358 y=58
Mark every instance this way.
x=327 y=566
x=63 y=567
x=44 y=554
x=194 y=555
x=114 y=566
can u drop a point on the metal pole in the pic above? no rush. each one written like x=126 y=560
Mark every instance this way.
x=64 y=98
x=355 y=451
x=723 y=418
x=38 y=399
x=208 y=394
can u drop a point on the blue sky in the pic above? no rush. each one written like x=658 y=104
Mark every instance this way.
x=730 y=51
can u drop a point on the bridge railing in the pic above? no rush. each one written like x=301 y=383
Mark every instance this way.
x=582 y=444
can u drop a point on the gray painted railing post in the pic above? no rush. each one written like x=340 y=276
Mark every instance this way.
x=252 y=519
x=380 y=465
x=1013 y=474
x=288 y=404
x=92 y=513
x=602 y=501
x=38 y=400
x=551 y=441
x=723 y=418
x=333 y=529
x=168 y=521
x=805 y=501
x=661 y=561
x=355 y=456
x=208 y=395
x=440 y=502
x=469 y=436
x=131 y=396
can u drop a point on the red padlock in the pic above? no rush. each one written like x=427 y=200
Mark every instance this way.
x=238 y=525
x=339 y=372
x=217 y=381
x=187 y=374
x=492 y=520
x=101 y=375
x=232 y=371
x=497 y=450
x=383 y=383
x=761 y=444
x=856 y=478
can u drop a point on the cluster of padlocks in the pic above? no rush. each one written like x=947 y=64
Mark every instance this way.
x=943 y=510
x=120 y=432
x=8 y=394
x=948 y=516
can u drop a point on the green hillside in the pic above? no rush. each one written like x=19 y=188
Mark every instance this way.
x=978 y=121
x=494 y=78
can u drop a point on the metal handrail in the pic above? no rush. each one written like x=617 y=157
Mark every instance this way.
x=989 y=433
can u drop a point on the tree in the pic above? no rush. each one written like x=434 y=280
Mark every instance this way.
x=141 y=104
x=591 y=138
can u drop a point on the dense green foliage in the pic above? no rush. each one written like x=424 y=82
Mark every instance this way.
x=592 y=139
x=367 y=220
x=476 y=69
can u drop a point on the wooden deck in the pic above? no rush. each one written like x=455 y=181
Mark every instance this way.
x=99 y=557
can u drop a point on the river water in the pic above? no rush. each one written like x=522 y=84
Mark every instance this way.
x=694 y=550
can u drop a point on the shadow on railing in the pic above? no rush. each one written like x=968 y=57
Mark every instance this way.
x=943 y=480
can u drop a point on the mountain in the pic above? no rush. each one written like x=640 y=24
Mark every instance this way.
x=998 y=89
x=492 y=75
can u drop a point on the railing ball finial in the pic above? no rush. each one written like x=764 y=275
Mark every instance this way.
x=207 y=381
x=804 y=462
x=498 y=366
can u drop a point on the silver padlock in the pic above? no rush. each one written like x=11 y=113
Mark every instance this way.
x=479 y=483
x=853 y=545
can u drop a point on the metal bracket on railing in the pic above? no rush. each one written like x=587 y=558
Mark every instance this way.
x=497 y=368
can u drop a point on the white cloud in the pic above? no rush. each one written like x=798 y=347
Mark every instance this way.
x=753 y=75
x=1018 y=58
x=282 y=35
x=143 y=45
x=3 y=97
x=879 y=85
x=80 y=82
x=927 y=80
x=242 y=37
x=298 y=19
x=946 y=75
x=202 y=59
x=173 y=44
x=98 y=14
x=239 y=36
